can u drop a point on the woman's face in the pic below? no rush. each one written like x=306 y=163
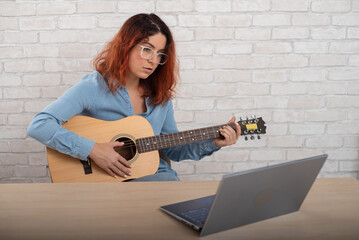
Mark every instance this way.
x=143 y=68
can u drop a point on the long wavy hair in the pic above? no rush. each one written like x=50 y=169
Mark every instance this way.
x=112 y=62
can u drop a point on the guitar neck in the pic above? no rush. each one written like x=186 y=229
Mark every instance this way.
x=148 y=144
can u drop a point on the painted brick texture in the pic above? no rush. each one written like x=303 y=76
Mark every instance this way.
x=293 y=62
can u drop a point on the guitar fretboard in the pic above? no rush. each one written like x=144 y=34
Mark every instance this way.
x=148 y=144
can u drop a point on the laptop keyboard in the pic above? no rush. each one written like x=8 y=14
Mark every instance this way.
x=197 y=215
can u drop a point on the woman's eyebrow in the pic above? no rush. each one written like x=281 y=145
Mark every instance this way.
x=152 y=46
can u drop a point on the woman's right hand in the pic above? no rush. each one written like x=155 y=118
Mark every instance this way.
x=104 y=155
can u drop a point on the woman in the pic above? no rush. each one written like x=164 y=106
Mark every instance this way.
x=135 y=74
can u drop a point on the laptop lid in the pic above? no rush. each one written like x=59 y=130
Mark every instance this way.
x=254 y=195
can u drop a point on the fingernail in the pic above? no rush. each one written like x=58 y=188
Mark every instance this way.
x=115 y=176
x=129 y=174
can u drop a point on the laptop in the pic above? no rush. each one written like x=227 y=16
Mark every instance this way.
x=250 y=196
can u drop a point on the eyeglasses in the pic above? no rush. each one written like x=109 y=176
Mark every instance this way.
x=148 y=53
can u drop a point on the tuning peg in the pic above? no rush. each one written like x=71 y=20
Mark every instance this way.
x=253 y=116
x=259 y=136
x=246 y=138
x=252 y=137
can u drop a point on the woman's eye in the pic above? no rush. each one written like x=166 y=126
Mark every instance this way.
x=147 y=49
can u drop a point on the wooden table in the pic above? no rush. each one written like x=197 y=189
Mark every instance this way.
x=131 y=211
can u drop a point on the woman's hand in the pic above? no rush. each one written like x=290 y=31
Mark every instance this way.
x=230 y=135
x=109 y=160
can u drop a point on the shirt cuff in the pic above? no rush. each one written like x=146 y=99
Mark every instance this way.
x=210 y=146
x=83 y=148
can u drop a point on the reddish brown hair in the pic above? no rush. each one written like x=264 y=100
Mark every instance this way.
x=112 y=62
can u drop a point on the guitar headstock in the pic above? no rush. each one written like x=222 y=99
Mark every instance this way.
x=252 y=126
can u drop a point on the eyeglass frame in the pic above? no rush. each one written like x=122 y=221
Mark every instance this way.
x=153 y=54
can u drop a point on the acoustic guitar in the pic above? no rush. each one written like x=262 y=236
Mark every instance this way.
x=140 y=145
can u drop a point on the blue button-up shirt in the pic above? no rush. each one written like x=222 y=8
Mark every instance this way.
x=91 y=97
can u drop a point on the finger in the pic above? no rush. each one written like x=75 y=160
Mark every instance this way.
x=238 y=130
x=123 y=168
x=124 y=161
x=117 y=171
x=233 y=119
x=110 y=172
x=228 y=134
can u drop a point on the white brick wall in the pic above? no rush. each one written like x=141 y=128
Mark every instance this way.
x=293 y=62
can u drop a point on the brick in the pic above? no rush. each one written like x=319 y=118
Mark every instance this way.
x=244 y=20
x=180 y=168
x=285 y=141
x=309 y=19
x=328 y=60
x=136 y=7
x=71 y=79
x=355 y=6
x=346 y=20
x=235 y=103
x=212 y=117
x=270 y=76
x=290 y=33
x=195 y=104
x=18 y=93
x=111 y=21
x=330 y=166
x=35 y=106
x=310 y=47
x=328 y=33
x=214 y=33
x=308 y=75
x=353 y=88
x=248 y=165
x=187 y=63
x=213 y=167
x=272 y=102
x=252 y=34
x=4 y=147
x=20 y=119
x=288 y=89
x=227 y=155
x=39 y=80
x=251 y=5
x=184 y=116
x=214 y=62
x=295 y=154
x=77 y=22
x=41 y=51
x=349 y=166
x=37 y=23
x=324 y=142
x=20 y=37
x=26 y=146
x=95 y=36
x=252 y=89
x=342 y=101
x=251 y=62
x=212 y=6
x=351 y=141
x=343 y=74
x=12 y=132
x=232 y=76
x=52 y=92
x=11 y=159
x=272 y=47
x=194 y=49
x=78 y=51
x=267 y=155
x=288 y=116
x=85 y=65
x=327 y=89
x=96 y=7
x=24 y=65
x=7 y=23
x=67 y=36
x=289 y=61
x=271 y=20
x=183 y=34
x=195 y=20
x=174 y=6
x=196 y=77
x=6 y=172
x=215 y=90
x=20 y=9
x=30 y=171
x=326 y=116
x=306 y=102
x=353 y=33
x=60 y=66
x=348 y=47
x=343 y=154
x=38 y=159
x=306 y=129
x=290 y=5
x=55 y=8
x=11 y=52
x=12 y=106
x=328 y=6
x=184 y=90
x=225 y=48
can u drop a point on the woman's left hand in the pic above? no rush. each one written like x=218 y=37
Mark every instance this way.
x=230 y=135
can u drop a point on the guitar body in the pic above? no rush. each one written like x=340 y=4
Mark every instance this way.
x=64 y=168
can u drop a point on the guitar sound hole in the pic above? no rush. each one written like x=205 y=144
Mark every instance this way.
x=128 y=151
